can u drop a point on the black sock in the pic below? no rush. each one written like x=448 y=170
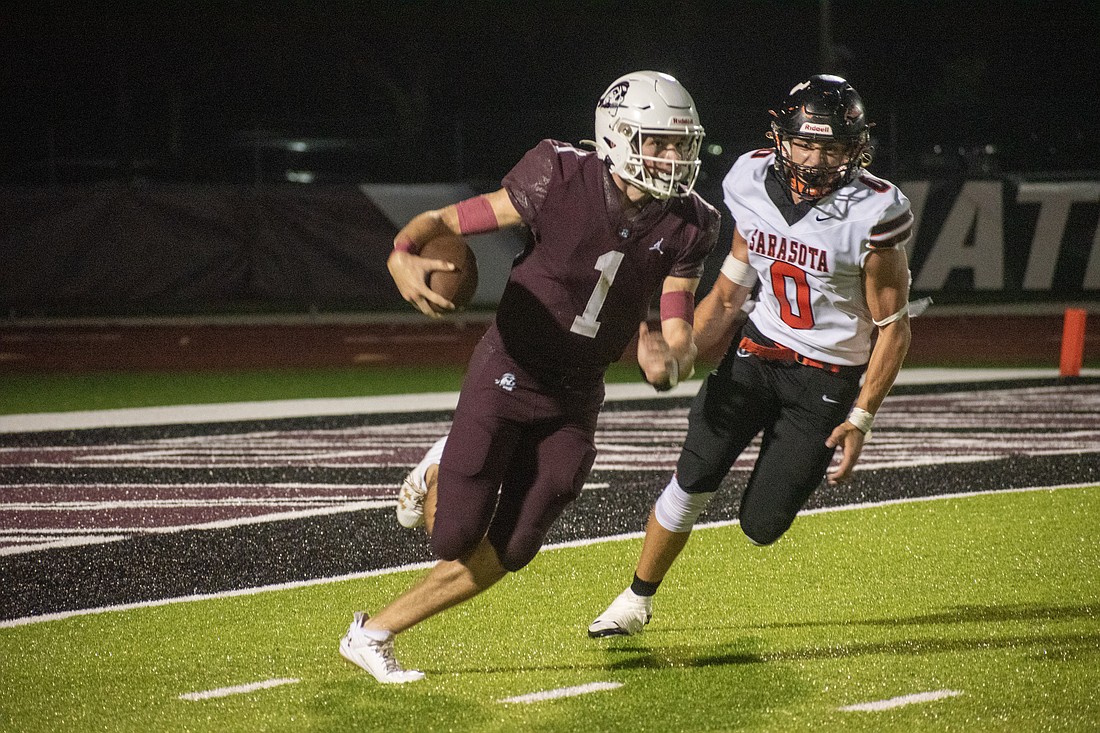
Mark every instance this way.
x=643 y=587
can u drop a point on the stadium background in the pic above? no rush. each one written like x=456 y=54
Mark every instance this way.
x=241 y=158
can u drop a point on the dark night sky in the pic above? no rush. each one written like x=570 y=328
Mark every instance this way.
x=428 y=91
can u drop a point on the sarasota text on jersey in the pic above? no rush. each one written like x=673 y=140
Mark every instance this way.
x=777 y=247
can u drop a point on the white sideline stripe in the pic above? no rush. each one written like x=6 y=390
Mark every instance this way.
x=21 y=541
x=238 y=689
x=35 y=545
x=225 y=412
x=564 y=692
x=11 y=623
x=426 y=402
x=897 y=702
x=125 y=532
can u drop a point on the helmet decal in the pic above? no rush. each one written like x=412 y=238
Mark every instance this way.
x=613 y=98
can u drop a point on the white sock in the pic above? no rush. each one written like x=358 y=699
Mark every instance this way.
x=377 y=634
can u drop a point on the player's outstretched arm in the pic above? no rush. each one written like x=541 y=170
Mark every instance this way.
x=886 y=286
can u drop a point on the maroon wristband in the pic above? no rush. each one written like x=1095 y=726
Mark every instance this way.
x=475 y=216
x=678 y=304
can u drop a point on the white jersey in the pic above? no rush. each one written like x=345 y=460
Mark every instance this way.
x=811 y=286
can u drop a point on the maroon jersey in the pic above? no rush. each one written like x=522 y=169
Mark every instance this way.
x=576 y=295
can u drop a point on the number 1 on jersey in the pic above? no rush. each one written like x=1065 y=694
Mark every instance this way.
x=608 y=265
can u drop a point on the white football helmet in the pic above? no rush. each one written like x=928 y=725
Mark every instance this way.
x=639 y=105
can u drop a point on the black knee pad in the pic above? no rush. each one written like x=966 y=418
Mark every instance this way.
x=764 y=530
x=696 y=475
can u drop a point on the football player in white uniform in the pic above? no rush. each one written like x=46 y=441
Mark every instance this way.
x=825 y=240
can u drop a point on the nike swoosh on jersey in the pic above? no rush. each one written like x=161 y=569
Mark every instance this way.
x=826 y=398
x=741 y=352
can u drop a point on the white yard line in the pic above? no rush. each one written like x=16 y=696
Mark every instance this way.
x=563 y=692
x=897 y=702
x=10 y=623
x=238 y=689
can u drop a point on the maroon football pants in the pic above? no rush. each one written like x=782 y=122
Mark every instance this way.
x=517 y=455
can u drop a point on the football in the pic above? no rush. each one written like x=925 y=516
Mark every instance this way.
x=457 y=286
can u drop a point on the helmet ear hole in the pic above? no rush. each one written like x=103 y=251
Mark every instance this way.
x=629 y=133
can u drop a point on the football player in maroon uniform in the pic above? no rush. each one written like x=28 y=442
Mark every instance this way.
x=610 y=229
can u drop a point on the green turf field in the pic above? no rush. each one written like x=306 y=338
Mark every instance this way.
x=995 y=597
x=30 y=393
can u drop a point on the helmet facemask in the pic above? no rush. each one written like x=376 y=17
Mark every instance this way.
x=647 y=171
x=812 y=182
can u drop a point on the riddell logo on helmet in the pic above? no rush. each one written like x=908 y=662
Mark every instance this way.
x=682 y=121
x=816 y=128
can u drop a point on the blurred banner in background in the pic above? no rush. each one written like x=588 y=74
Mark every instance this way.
x=113 y=249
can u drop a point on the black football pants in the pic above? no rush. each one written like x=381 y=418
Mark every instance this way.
x=795 y=406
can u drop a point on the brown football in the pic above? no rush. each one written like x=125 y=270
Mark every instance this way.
x=457 y=286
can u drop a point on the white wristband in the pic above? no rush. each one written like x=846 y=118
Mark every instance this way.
x=862 y=419
x=738 y=272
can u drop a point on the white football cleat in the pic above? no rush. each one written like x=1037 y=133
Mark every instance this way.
x=375 y=656
x=410 y=499
x=626 y=616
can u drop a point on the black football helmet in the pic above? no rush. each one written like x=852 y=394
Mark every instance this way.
x=823 y=109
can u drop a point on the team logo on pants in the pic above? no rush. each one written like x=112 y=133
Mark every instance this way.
x=507 y=381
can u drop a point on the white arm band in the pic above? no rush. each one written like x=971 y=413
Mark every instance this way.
x=890 y=319
x=738 y=272
x=914 y=308
x=862 y=419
